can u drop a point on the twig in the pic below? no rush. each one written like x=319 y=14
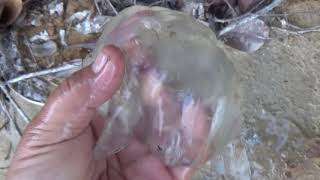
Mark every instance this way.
x=263 y=15
x=293 y=13
x=294 y=27
x=203 y=22
x=298 y=32
x=13 y=102
x=43 y=72
x=270 y=7
x=156 y=3
x=250 y=17
x=8 y=115
x=5 y=124
x=97 y=7
x=9 y=151
x=27 y=42
x=88 y=45
x=111 y=6
x=234 y=12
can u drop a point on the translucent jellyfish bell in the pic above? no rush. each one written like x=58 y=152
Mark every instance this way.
x=179 y=97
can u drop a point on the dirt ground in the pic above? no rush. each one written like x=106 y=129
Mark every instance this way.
x=281 y=108
x=280 y=137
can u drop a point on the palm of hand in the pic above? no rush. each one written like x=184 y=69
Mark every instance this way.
x=73 y=159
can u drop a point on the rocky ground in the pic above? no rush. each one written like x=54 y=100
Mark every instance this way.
x=280 y=137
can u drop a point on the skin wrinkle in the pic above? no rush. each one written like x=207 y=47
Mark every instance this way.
x=118 y=162
x=93 y=168
x=73 y=130
x=30 y=145
x=115 y=169
x=38 y=131
x=96 y=123
x=33 y=156
x=66 y=89
x=49 y=149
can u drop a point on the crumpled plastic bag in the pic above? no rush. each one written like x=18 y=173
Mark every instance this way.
x=180 y=96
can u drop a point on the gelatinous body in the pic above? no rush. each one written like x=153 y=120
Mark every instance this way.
x=179 y=96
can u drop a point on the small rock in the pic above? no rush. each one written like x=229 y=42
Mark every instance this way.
x=55 y=8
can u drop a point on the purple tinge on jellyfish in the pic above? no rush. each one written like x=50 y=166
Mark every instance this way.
x=175 y=76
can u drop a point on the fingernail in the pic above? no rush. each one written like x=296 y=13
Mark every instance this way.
x=100 y=62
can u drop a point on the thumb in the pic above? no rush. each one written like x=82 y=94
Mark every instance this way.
x=71 y=107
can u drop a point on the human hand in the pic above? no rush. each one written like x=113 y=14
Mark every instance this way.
x=59 y=142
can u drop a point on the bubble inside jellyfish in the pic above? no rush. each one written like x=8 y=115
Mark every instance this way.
x=179 y=98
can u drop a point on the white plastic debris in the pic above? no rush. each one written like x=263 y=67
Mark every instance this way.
x=62 y=34
x=195 y=9
x=79 y=16
x=98 y=22
x=55 y=7
x=84 y=24
x=42 y=36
